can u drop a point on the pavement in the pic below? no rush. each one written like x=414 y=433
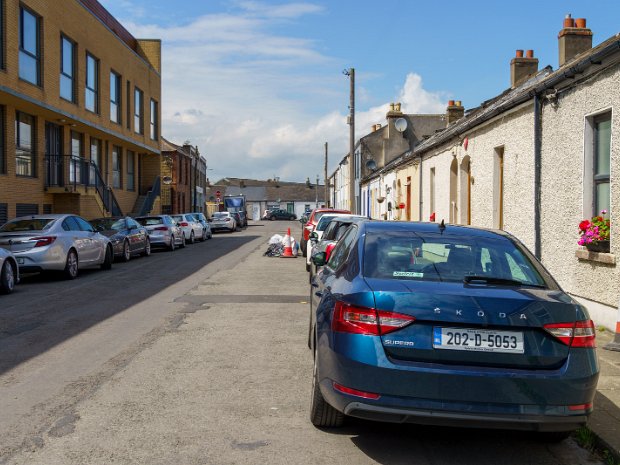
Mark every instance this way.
x=605 y=420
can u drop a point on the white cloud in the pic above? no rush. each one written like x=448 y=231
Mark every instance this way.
x=257 y=104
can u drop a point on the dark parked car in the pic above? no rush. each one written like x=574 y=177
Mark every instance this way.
x=455 y=326
x=280 y=215
x=128 y=237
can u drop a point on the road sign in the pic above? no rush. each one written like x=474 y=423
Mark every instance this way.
x=218 y=194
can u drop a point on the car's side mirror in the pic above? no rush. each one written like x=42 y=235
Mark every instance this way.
x=319 y=258
x=314 y=236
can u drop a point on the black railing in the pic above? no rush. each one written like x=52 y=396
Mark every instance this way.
x=149 y=201
x=70 y=172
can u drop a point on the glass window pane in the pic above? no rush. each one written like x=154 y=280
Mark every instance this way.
x=30 y=32
x=603 y=146
x=113 y=112
x=28 y=69
x=603 y=197
x=90 y=72
x=67 y=57
x=66 y=87
x=90 y=100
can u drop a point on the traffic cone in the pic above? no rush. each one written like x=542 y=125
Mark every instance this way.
x=288 y=248
x=615 y=344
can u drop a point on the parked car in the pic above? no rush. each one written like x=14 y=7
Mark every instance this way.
x=64 y=243
x=239 y=219
x=163 y=231
x=328 y=231
x=190 y=226
x=279 y=214
x=452 y=325
x=223 y=221
x=202 y=219
x=9 y=272
x=128 y=237
x=308 y=226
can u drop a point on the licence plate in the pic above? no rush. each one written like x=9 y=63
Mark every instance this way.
x=479 y=340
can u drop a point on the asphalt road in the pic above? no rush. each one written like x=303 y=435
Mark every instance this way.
x=196 y=357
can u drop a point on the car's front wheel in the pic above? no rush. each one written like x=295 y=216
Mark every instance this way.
x=147 y=248
x=272 y=218
x=321 y=413
x=7 y=278
x=173 y=244
x=126 y=251
x=109 y=258
x=183 y=242
x=192 y=239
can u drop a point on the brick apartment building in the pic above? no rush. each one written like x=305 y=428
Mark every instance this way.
x=79 y=110
x=184 y=179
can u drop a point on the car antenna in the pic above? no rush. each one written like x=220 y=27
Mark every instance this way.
x=442 y=226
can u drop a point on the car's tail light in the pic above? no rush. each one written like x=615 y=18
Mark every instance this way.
x=355 y=392
x=161 y=228
x=184 y=224
x=577 y=334
x=578 y=407
x=44 y=240
x=363 y=320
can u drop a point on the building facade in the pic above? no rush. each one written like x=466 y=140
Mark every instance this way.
x=80 y=108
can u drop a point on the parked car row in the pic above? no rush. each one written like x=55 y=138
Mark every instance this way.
x=446 y=325
x=278 y=214
x=66 y=243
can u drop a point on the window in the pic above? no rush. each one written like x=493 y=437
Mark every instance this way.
x=432 y=193
x=138 y=119
x=115 y=98
x=75 y=168
x=29 y=47
x=131 y=185
x=95 y=159
x=128 y=94
x=602 y=151
x=154 y=118
x=2 y=145
x=67 y=69
x=116 y=166
x=92 y=84
x=24 y=151
x=2 y=34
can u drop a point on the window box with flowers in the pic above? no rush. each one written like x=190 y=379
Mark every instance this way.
x=595 y=233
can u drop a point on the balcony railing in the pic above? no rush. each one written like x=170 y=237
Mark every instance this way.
x=71 y=172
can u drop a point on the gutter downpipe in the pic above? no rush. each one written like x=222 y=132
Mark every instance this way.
x=421 y=201
x=537 y=172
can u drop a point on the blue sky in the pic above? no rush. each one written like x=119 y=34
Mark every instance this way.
x=258 y=85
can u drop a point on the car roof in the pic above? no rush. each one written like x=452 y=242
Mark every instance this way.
x=430 y=228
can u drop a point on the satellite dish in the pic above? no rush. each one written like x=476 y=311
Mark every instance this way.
x=400 y=124
x=167 y=180
x=371 y=165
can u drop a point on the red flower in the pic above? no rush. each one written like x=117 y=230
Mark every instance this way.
x=432 y=218
x=585 y=224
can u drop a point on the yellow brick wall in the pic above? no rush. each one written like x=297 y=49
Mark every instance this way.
x=70 y=18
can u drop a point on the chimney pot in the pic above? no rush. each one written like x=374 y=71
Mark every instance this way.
x=569 y=21
x=458 y=103
x=580 y=23
x=529 y=54
x=450 y=103
x=519 y=54
x=397 y=106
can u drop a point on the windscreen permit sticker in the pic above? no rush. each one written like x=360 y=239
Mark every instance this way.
x=408 y=274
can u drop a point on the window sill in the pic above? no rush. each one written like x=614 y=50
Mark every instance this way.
x=605 y=258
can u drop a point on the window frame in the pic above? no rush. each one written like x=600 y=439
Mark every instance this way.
x=19 y=148
x=117 y=167
x=94 y=90
x=138 y=110
x=154 y=118
x=2 y=135
x=37 y=57
x=597 y=178
x=116 y=78
x=131 y=170
x=64 y=38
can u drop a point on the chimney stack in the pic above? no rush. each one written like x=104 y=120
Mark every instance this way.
x=454 y=112
x=573 y=39
x=522 y=67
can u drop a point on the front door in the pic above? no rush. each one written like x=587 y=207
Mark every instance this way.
x=53 y=154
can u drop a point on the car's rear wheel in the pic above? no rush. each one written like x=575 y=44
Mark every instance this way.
x=7 y=278
x=192 y=239
x=147 y=249
x=183 y=243
x=173 y=244
x=272 y=218
x=321 y=413
x=71 y=265
x=126 y=251
x=109 y=258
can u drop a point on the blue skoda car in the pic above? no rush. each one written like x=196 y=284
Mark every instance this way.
x=447 y=325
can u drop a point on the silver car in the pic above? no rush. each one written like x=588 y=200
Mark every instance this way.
x=55 y=243
x=9 y=272
x=163 y=231
x=202 y=219
x=191 y=227
x=223 y=221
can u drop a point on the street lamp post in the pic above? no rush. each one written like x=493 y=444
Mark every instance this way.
x=316 y=192
x=351 y=121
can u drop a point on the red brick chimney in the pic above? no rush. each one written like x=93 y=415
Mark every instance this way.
x=573 y=39
x=522 y=67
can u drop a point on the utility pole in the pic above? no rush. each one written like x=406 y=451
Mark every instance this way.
x=316 y=192
x=326 y=180
x=351 y=121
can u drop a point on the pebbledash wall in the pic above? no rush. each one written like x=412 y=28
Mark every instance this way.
x=565 y=146
x=93 y=31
